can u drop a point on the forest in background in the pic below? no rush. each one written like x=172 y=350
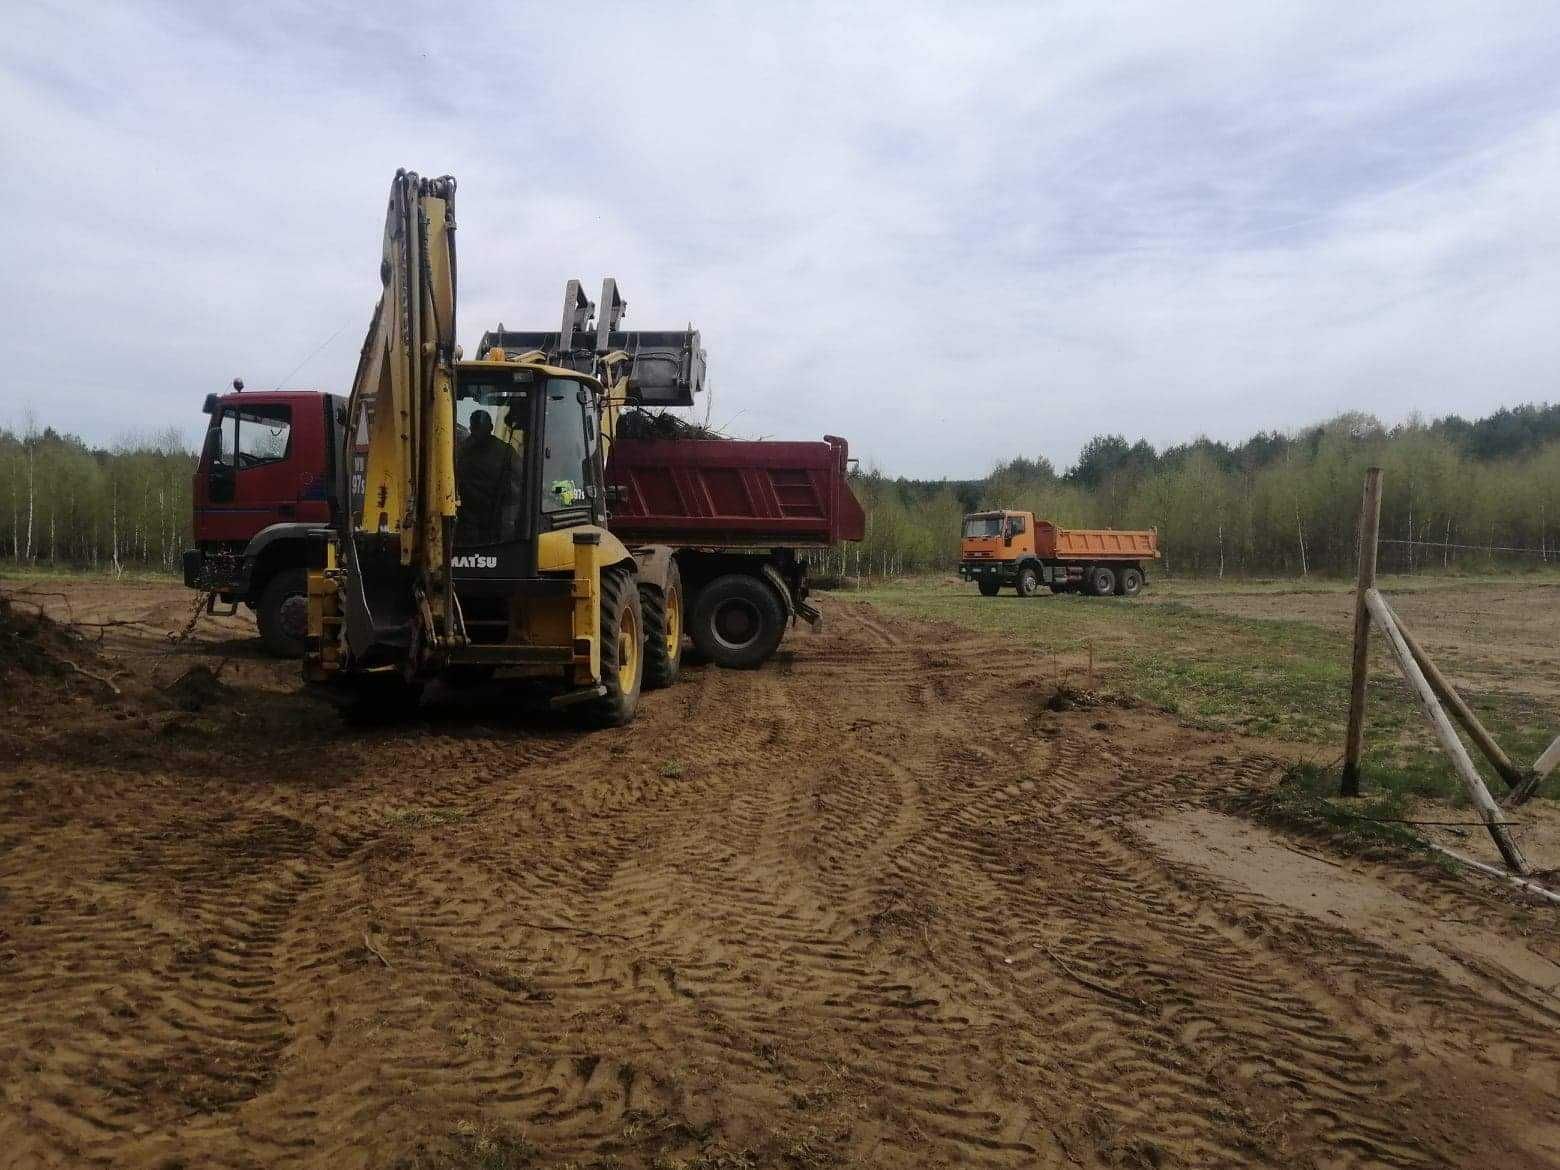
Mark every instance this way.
x=1458 y=494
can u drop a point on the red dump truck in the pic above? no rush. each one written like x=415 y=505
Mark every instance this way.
x=1017 y=549
x=739 y=517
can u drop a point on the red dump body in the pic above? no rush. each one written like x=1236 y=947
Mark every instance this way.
x=694 y=492
x=1053 y=543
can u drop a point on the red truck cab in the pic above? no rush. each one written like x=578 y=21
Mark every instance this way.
x=262 y=485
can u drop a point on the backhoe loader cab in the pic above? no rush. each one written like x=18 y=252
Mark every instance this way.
x=526 y=462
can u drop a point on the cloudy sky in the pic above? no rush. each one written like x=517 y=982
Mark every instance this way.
x=952 y=233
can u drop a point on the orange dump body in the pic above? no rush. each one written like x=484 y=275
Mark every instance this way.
x=1054 y=543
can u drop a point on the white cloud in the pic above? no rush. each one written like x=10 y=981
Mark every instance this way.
x=951 y=234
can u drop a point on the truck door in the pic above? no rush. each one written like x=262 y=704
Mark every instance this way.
x=246 y=480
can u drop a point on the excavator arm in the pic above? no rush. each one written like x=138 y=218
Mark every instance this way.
x=393 y=541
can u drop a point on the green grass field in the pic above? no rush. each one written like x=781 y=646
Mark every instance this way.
x=1278 y=678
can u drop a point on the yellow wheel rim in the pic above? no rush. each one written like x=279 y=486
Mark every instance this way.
x=673 y=623
x=628 y=651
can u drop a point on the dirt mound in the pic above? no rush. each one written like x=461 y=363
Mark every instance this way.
x=198 y=688
x=40 y=658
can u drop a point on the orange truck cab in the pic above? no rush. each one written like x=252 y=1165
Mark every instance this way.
x=1014 y=548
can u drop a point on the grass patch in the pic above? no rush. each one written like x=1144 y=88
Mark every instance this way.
x=672 y=770
x=1281 y=678
x=424 y=818
x=1278 y=678
x=1391 y=583
x=61 y=573
x=473 y=1146
x=1306 y=800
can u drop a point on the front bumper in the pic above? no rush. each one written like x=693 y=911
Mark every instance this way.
x=986 y=571
x=221 y=572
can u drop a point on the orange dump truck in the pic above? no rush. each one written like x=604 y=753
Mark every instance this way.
x=1013 y=548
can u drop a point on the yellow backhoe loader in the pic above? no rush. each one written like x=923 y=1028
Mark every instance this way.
x=471 y=531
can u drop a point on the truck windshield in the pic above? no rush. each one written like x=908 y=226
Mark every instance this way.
x=492 y=417
x=982 y=526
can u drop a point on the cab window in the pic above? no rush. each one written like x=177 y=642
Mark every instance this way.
x=1015 y=524
x=249 y=436
x=492 y=417
x=982 y=526
x=566 y=457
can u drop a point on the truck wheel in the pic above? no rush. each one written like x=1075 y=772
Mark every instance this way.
x=1028 y=582
x=988 y=588
x=737 y=621
x=663 y=612
x=1101 y=581
x=283 y=613
x=1131 y=583
x=622 y=652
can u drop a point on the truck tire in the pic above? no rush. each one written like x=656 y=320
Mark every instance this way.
x=988 y=588
x=622 y=651
x=737 y=621
x=1131 y=583
x=663 y=613
x=1100 y=580
x=283 y=613
x=1028 y=583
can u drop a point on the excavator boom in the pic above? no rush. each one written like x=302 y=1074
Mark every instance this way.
x=394 y=538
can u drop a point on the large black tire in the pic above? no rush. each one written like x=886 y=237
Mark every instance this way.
x=737 y=621
x=988 y=588
x=1100 y=580
x=622 y=651
x=1131 y=583
x=1028 y=583
x=283 y=613
x=663 y=611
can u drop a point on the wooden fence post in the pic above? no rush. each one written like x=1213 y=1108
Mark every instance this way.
x=1369 y=526
x=1489 y=811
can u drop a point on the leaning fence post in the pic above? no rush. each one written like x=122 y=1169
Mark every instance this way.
x=1489 y=811
x=1370 y=524
x=1547 y=762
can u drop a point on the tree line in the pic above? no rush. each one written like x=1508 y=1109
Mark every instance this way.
x=1458 y=494
x=71 y=504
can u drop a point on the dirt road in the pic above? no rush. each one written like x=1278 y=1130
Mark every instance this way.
x=875 y=904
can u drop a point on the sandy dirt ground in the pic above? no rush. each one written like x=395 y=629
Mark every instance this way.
x=876 y=904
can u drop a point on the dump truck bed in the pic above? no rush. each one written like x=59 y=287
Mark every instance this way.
x=1094 y=544
x=730 y=492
